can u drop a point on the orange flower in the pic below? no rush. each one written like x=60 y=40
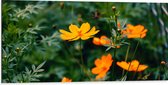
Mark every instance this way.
x=133 y=66
x=101 y=41
x=76 y=33
x=102 y=66
x=65 y=79
x=137 y=31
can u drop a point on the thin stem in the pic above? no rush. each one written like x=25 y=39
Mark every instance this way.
x=127 y=53
x=132 y=58
x=135 y=50
x=81 y=52
x=82 y=65
x=126 y=57
x=135 y=72
x=77 y=59
x=112 y=74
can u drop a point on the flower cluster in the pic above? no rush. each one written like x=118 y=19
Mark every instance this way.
x=103 y=64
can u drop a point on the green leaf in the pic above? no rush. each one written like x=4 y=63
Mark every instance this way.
x=38 y=67
x=34 y=68
x=108 y=48
x=39 y=70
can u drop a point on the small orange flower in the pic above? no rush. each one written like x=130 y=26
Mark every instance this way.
x=101 y=41
x=102 y=66
x=137 y=31
x=84 y=32
x=65 y=79
x=133 y=66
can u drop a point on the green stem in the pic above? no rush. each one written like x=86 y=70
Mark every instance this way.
x=126 y=57
x=132 y=58
x=135 y=50
x=81 y=52
x=82 y=65
x=135 y=72
x=112 y=74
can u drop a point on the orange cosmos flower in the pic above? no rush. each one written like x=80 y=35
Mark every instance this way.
x=76 y=33
x=101 y=41
x=102 y=66
x=133 y=66
x=137 y=31
x=65 y=79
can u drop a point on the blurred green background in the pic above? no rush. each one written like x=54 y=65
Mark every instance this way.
x=42 y=42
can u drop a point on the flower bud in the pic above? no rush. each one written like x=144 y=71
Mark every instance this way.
x=17 y=49
x=79 y=18
x=30 y=25
x=54 y=26
x=162 y=62
x=96 y=14
x=61 y=5
x=113 y=8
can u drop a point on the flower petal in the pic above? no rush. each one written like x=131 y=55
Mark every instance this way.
x=142 y=67
x=143 y=35
x=96 y=70
x=75 y=38
x=101 y=75
x=64 y=32
x=85 y=27
x=67 y=37
x=85 y=37
x=96 y=41
x=138 y=29
x=109 y=60
x=66 y=80
x=98 y=62
x=133 y=36
x=74 y=29
x=123 y=65
x=93 y=31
